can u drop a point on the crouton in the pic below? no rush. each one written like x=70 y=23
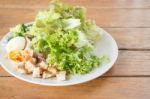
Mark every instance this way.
x=61 y=76
x=46 y=75
x=36 y=72
x=25 y=54
x=29 y=66
x=53 y=71
x=43 y=65
x=22 y=70
x=33 y=60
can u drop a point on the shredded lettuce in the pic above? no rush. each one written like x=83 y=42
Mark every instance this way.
x=66 y=37
x=19 y=30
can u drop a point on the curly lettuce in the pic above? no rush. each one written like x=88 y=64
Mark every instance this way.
x=66 y=37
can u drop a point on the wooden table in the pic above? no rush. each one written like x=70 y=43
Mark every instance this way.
x=128 y=21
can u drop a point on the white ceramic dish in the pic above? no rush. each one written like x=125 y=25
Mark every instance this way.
x=106 y=46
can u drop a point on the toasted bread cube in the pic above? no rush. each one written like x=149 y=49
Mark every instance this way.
x=22 y=70
x=61 y=76
x=43 y=65
x=29 y=66
x=33 y=60
x=31 y=52
x=46 y=75
x=36 y=72
x=25 y=54
x=52 y=70
x=21 y=65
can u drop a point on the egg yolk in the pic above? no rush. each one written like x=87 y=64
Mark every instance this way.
x=16 y=56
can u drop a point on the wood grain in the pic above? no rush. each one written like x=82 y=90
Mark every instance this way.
x=101 y=88
x=131 y=38
x=129 y=63
x=87 y=3
x=16 y=16
x=103 y=17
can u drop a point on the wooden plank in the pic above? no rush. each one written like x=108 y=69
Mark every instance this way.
x=3 y=73
x=103 y=17
x=120 y=17
x=10 y=17
x=131 y=38
x=129 y=63
x=101 y=88
x=86 y=3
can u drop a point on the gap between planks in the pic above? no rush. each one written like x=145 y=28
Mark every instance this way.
x=133 y=49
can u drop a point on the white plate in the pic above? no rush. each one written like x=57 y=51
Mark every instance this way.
x=106 y=46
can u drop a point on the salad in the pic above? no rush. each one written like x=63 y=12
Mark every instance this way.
x=58 y=43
